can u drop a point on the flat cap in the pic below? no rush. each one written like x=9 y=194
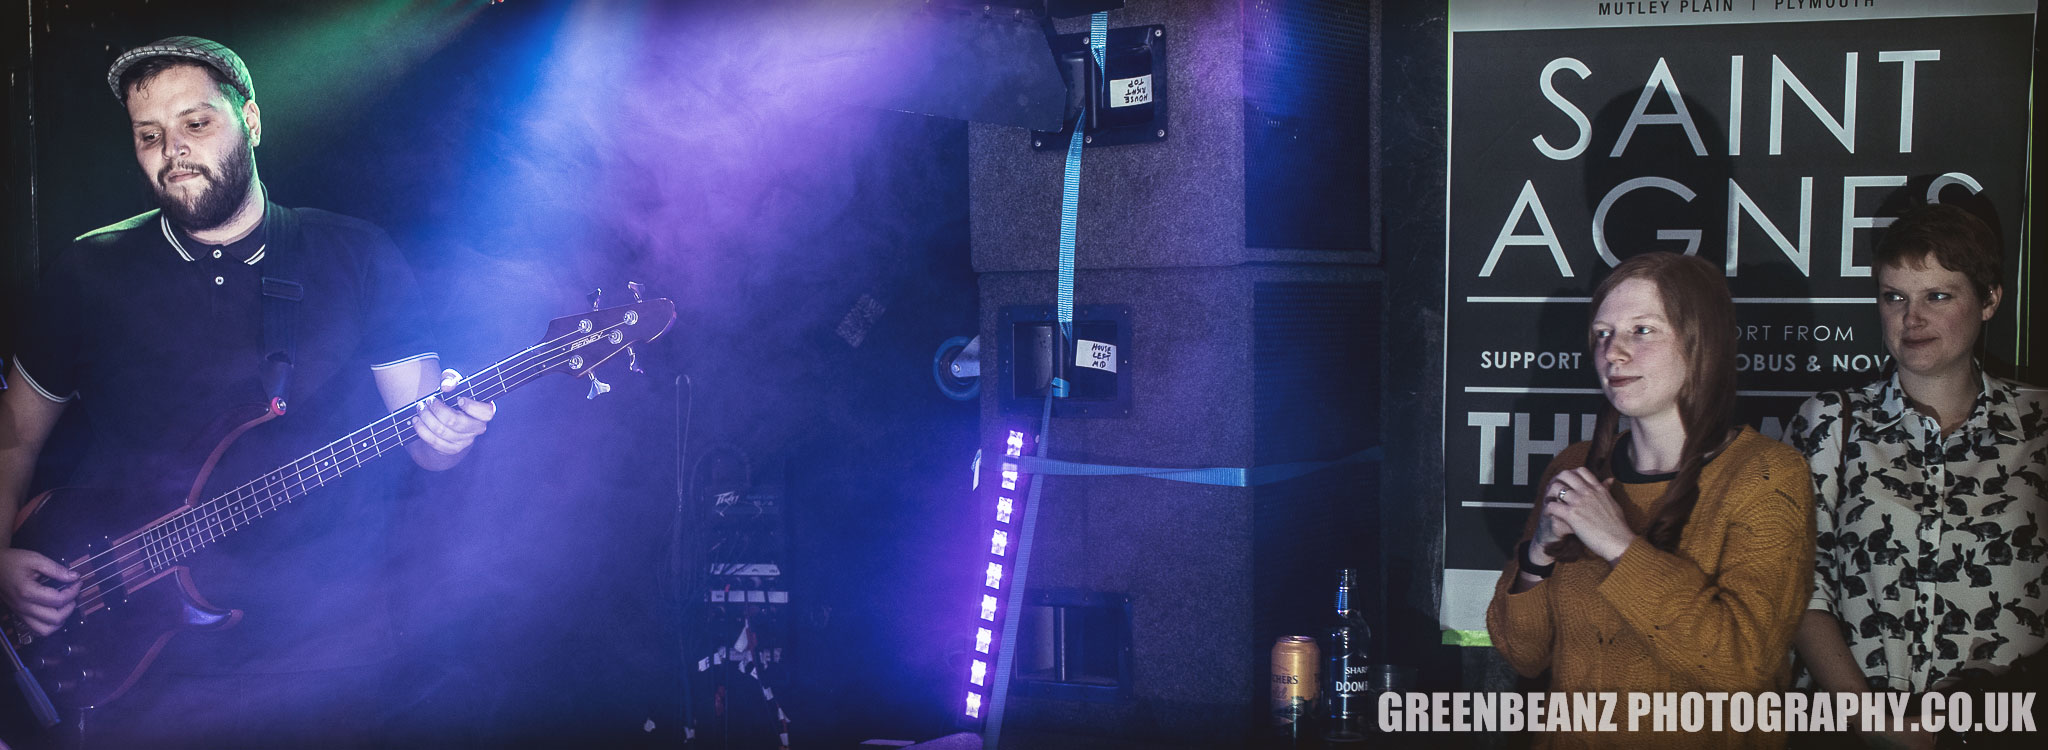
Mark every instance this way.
x=206 y=51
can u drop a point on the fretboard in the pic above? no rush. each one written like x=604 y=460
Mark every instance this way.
x=179 y=536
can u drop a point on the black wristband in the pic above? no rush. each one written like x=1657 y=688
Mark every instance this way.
x=1531 y=568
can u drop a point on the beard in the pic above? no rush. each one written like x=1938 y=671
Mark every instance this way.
x=222 y=196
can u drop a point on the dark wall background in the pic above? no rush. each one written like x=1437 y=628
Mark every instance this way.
x=1413 y=128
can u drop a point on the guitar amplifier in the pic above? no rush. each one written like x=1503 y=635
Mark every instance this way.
x=741 y=631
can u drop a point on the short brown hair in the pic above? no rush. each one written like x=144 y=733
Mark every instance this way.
x=1956 y=239
x=139 y=76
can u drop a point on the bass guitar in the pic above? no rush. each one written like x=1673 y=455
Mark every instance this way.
x=134 y=593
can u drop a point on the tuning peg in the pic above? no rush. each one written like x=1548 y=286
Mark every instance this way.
x=597 y=387
x=633 y=361
x=636 y=289
x=596 y=297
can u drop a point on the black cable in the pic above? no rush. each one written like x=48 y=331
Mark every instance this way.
x=686 y=400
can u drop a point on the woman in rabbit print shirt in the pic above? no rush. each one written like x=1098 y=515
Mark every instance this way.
x=1930 y=485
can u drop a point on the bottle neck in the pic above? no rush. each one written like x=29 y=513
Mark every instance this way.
x=1347 y=582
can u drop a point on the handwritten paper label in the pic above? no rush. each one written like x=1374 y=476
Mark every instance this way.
x=1130 y=92
x=1095 y=355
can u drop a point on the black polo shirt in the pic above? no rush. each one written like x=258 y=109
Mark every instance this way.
x=156 y=335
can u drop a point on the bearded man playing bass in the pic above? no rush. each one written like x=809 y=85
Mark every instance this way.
x=155 y=327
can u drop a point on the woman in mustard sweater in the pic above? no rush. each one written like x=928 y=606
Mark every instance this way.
x=1675 y=556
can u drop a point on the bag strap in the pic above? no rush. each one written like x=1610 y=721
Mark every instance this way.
x=282 y=293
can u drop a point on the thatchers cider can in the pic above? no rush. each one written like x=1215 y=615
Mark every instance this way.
x=1295 y=661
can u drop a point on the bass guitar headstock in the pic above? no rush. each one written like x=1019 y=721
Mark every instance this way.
x=577 y=344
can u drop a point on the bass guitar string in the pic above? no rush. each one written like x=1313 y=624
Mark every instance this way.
x=177 y=542
x=186 y=520
x=185 y=515
x=189 y=519
x=523 y=373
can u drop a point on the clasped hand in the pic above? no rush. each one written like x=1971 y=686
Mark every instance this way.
x=1576 y=503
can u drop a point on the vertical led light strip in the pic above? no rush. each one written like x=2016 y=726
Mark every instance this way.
x=1002 y=595
x=1010 y=493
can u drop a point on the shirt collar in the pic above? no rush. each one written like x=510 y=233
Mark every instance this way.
x=185 y=244
x=1623 y=464
x=1996 y=407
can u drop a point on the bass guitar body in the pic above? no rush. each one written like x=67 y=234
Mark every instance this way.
x=130 y=602
x=128 y=546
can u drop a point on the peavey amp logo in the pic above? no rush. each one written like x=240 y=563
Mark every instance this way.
x=614 y=337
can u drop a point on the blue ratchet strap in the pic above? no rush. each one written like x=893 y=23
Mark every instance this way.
x=1070 y=198
x=1220 y=476
x=1070 y=195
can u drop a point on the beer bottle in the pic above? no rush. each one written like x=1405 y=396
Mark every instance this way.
x=1344 y=665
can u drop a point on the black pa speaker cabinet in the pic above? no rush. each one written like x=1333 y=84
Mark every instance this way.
x=1239 y=253
x=1230 y=367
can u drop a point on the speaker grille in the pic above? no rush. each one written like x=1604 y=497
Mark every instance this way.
x=1306 y=129
x=1316 y=386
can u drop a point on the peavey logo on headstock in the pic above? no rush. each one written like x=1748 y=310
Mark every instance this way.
x=592 y=339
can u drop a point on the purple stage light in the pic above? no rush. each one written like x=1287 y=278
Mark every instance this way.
x=1009 y=494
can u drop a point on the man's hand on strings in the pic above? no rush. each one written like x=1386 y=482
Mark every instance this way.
x=41 y=606
x=449 y=423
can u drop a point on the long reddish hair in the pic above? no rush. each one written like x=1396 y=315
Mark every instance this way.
x=1698 y=307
